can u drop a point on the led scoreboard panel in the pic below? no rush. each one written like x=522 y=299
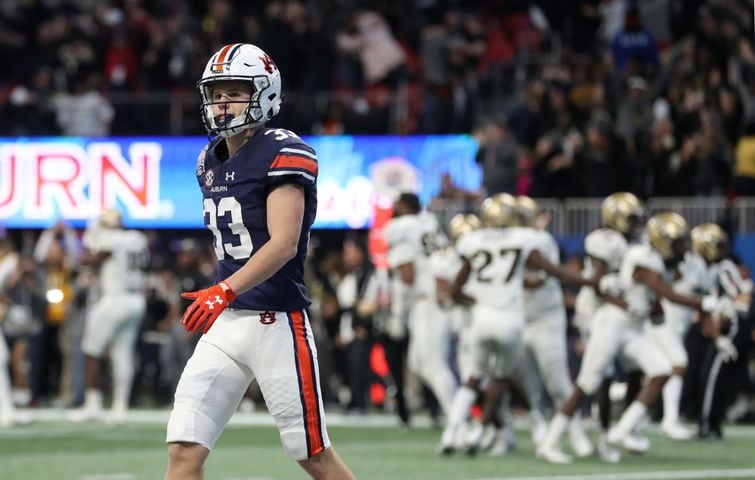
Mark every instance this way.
x=152 y=180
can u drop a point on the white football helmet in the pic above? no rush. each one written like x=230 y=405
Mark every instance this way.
x=110 y=218
x=246 y=63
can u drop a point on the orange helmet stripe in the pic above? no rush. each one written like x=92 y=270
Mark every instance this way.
x=224 y=52
x=220 y=61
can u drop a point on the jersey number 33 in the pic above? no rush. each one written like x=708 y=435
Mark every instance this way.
x=240 y=246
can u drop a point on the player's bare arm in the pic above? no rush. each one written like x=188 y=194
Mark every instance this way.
x=538 y=260
x=285 y=213
x=443 y=290
x=461 y=278
x=654 y=282
x=600 y=268
x=94 y=259
x=406 y=273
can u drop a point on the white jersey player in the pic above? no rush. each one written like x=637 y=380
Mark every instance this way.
x=492 y=275
x=545 y=363
x=620 y=332
x=621 y=216
x=112 y=323
x=412 y=237
x=691 y=277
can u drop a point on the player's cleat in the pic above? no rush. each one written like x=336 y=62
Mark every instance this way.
x=636 y=442
x=501 y=445
x=580 y=444
x=489 y=436
x=676 y=431
x=710 y=435
x=444 y=449
x=15 y=419
x=472 y=441
x=607 y=452
x=117 y=417
x=552 y=455
x=85 y=414
x=539 y=429
x=446 y=445
x=616 y=436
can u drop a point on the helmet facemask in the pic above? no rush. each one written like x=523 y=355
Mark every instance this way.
x=251 y=117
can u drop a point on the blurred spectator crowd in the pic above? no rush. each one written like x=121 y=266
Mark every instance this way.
x=575 y=98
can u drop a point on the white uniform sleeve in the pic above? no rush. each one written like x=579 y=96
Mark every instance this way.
x=403 y=244
x=547 y=245
x=650 y=259
x=401 y=253
x=90 y=239
x=464 y=246
x=606 y=245
x=109 y=240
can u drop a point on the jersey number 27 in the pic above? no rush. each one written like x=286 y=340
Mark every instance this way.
x=488 y=265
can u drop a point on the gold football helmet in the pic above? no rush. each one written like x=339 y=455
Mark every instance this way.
x=110 y=218
x=621 y=211
x=710 y=242
x=669 y=235
x=499 y=211
x=463 y=223
x=528 y=210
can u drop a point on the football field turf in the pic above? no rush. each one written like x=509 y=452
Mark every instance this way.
x=53 y=449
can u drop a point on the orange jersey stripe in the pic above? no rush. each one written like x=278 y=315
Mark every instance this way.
x=295 y=161
x=309 y=391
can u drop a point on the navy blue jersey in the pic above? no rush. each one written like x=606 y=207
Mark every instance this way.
x=235 y=193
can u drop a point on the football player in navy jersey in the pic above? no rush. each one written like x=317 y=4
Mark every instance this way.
x=259 y=197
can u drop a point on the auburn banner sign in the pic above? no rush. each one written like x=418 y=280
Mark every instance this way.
x=153 y=180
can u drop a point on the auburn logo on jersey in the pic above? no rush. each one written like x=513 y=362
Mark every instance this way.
x=223 y=59
x=266 y=318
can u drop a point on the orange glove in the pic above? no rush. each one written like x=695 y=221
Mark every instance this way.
x=207 y=306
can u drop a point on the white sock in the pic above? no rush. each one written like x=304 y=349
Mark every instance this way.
x=462 y=402
x=93 y=399
x=120 y=399
x=556 y=428
x=536 y=417
x=575 y=423
x=672 y=393
x=631 y=417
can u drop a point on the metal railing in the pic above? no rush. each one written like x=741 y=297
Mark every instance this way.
x=578 y=216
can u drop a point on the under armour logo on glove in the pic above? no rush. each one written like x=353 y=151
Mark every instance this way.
x=203 y=310
x=211 y=302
